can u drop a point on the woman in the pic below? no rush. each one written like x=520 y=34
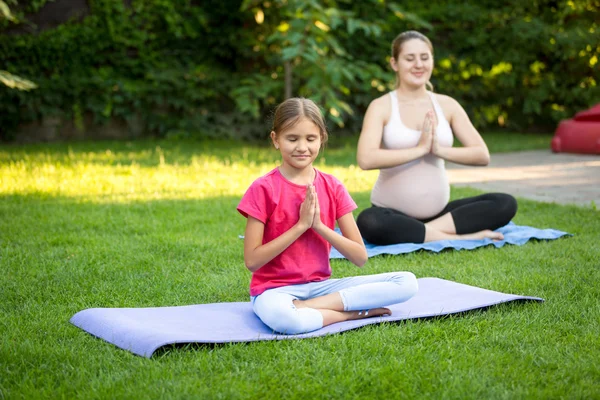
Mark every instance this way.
x=407 y=134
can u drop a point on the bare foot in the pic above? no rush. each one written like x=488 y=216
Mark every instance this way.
x=485 y=234
x=331 y=307
x=331 y=316
x=374 y=312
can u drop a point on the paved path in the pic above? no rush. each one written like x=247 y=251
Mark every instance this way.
x=537 y=175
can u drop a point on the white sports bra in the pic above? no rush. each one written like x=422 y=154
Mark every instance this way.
x=419 y=188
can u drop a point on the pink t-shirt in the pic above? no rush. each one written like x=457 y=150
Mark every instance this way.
x=275 y=201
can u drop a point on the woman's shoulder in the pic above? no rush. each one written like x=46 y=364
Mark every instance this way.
x=381 y=101
x=381 y=106
x=445 y=101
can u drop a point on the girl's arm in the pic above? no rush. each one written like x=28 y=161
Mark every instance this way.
x=369 y=153
x=349 y=243
x=474 y=150
x=257 y=254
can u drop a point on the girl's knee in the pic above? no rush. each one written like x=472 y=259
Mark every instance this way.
x=409 y=283
x=290 y=326
x=413 y=284
x=282 y=322
x=290 y=321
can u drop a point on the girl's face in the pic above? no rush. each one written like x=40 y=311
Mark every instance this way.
x=299 y=144
x=414 y=64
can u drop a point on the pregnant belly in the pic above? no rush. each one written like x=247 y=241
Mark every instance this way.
x=420 y=190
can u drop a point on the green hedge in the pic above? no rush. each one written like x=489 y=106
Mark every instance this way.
x=209 y=68
x=531 y=63
x=167 y=63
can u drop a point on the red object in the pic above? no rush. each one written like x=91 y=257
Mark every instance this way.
x=580 y=134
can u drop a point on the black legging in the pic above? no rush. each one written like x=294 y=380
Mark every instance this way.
x=383 y=226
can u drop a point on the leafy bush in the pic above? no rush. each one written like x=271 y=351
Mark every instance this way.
x=153 y=61
x=516 y=64
x=217 y=68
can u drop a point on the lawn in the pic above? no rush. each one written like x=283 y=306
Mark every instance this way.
x=153 y=223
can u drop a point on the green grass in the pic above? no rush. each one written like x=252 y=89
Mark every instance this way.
x=503 y=142
x=108 y=224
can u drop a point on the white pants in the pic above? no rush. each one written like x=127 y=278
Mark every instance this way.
x=276 y=309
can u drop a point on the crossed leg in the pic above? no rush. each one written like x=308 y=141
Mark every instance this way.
x=331 y=307
x=304 y=308
x=443 y=228
x=469 y=218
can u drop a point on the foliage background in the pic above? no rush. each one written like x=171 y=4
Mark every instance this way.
x=217 y=68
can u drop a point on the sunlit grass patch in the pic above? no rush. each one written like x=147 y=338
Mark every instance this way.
x=150 y=174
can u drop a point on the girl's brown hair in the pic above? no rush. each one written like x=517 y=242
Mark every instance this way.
x=405 y=37
x=291 y=110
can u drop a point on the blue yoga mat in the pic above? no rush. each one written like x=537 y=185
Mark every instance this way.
x=513 y=234
x=144 y=330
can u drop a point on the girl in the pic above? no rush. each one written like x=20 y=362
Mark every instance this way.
x=291 y=214
x=407 y=134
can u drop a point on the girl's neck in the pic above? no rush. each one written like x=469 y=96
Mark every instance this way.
x=302 y=176
x=408 y=93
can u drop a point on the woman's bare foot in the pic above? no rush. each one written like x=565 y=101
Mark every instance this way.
x=443 y=228
x=485 y=234
x=433 y=235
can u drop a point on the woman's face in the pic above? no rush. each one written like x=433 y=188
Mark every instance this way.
x=414 y=64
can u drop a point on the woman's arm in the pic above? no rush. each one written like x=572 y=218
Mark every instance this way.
x=257 y=254
x=474 y=150
x=369 y=154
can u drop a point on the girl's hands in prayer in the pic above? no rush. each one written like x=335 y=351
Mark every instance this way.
x=317 y=217
x=307 y=208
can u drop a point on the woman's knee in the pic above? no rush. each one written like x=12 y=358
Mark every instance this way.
x=367 y=221
x=372 y=226
x=510 y=205
x=506 y=205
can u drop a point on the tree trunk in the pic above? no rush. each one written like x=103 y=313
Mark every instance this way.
x=287 y=67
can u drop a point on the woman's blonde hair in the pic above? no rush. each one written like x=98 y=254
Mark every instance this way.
x=403 y=38
x=291 y=110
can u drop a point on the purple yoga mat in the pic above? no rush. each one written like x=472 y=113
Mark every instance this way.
x=143 y=330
